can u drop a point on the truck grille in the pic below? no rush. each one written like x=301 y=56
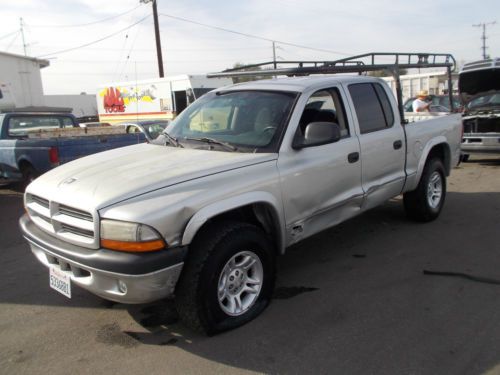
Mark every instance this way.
x=482 y=125
x=67 y=223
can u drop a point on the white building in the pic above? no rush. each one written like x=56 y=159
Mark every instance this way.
x=436 y=83
x=21 y=80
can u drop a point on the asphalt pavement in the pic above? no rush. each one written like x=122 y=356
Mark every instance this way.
x=351 y=300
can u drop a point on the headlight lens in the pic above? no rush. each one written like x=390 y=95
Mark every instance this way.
x=130 y=237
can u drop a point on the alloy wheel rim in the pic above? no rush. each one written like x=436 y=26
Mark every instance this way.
x=435 y=190
x=240 y=283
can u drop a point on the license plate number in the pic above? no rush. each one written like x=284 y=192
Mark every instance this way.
x=60 y=281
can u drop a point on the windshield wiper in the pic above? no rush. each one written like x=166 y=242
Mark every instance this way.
x=213 y=141
x=172 y=140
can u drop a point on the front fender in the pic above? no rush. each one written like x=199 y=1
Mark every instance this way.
x=220 y=207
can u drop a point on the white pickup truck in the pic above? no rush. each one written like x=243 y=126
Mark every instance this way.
x=244 y=172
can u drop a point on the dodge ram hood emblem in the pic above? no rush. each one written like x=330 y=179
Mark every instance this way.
x=68 y=181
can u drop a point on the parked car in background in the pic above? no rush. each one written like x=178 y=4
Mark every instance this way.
x=31 y=143
x=439 y=103
x=479 y=87
x=151 y=128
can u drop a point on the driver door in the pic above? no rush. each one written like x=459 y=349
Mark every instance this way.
x=321 y=185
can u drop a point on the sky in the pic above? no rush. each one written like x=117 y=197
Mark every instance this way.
x=331 y=29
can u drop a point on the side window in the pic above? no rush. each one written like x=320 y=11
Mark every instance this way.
x=326 y=106
x=67 y=122
x=386 y=105
x=372 y=107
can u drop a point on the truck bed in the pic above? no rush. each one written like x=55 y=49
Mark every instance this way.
x=423 y=135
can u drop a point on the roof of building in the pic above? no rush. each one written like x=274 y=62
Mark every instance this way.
x=43 y=63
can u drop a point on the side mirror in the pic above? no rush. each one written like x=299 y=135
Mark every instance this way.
x=317 y=134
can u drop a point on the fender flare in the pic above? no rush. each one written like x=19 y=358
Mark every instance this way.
x=220 y=207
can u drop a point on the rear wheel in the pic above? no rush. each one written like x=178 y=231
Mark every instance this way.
x=29 y=174
x=426 y=201
x=227 y=279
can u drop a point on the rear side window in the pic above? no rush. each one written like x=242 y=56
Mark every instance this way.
x=372 y=106
x=21 y=125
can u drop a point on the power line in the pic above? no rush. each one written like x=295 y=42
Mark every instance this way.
x=252 y=36
x=129 y=52
x=9 y=34
x=13 y=41
x=89 y=23
x=96 y=41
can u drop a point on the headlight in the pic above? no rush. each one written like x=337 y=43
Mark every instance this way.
x=131 y=237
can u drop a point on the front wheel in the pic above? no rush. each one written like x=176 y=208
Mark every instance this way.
x=227 y=279
x=426 y=201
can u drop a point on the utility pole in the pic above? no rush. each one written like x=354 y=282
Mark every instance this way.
x=483 y=37
x=22 y=35
x=274 y=54
x=157 y=36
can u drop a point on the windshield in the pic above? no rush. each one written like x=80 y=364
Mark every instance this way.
x=154 y=128
x=492 y=100
x=250 y=121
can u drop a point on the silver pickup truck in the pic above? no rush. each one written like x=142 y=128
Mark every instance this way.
x=240 y=175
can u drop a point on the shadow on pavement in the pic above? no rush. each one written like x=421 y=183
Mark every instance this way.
x=485 y=160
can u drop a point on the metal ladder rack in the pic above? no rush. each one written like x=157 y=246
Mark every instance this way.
x=391 y=61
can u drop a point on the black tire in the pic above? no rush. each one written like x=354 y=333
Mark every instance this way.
x=29 y=174
x=196 y=294
x=464 y=158
x=416 y=202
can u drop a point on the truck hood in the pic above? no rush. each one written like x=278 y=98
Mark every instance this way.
x=102 y=179
x=476 y=85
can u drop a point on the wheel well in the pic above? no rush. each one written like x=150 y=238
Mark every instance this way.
x=23 y=164
x=441 y=151
x=258 y=214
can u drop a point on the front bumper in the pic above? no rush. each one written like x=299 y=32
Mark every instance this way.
x=146 y=277
x=481 y=143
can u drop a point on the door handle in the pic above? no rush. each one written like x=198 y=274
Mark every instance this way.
x=397 y=145
x=353 y=157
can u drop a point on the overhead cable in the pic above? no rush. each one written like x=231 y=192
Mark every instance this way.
x=252 y=36
x=13 y=41
x=95 y=41
x=9 y=34
x=89 y=23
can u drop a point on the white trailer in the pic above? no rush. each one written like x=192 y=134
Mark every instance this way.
x=159 y=98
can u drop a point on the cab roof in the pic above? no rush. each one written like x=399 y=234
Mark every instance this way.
x=299 y=84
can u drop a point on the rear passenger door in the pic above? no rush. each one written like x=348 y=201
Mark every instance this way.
x=382 y=142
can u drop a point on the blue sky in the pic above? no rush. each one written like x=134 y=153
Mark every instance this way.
x=353 y=27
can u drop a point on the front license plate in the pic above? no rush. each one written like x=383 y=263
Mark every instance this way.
x=60 y=281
